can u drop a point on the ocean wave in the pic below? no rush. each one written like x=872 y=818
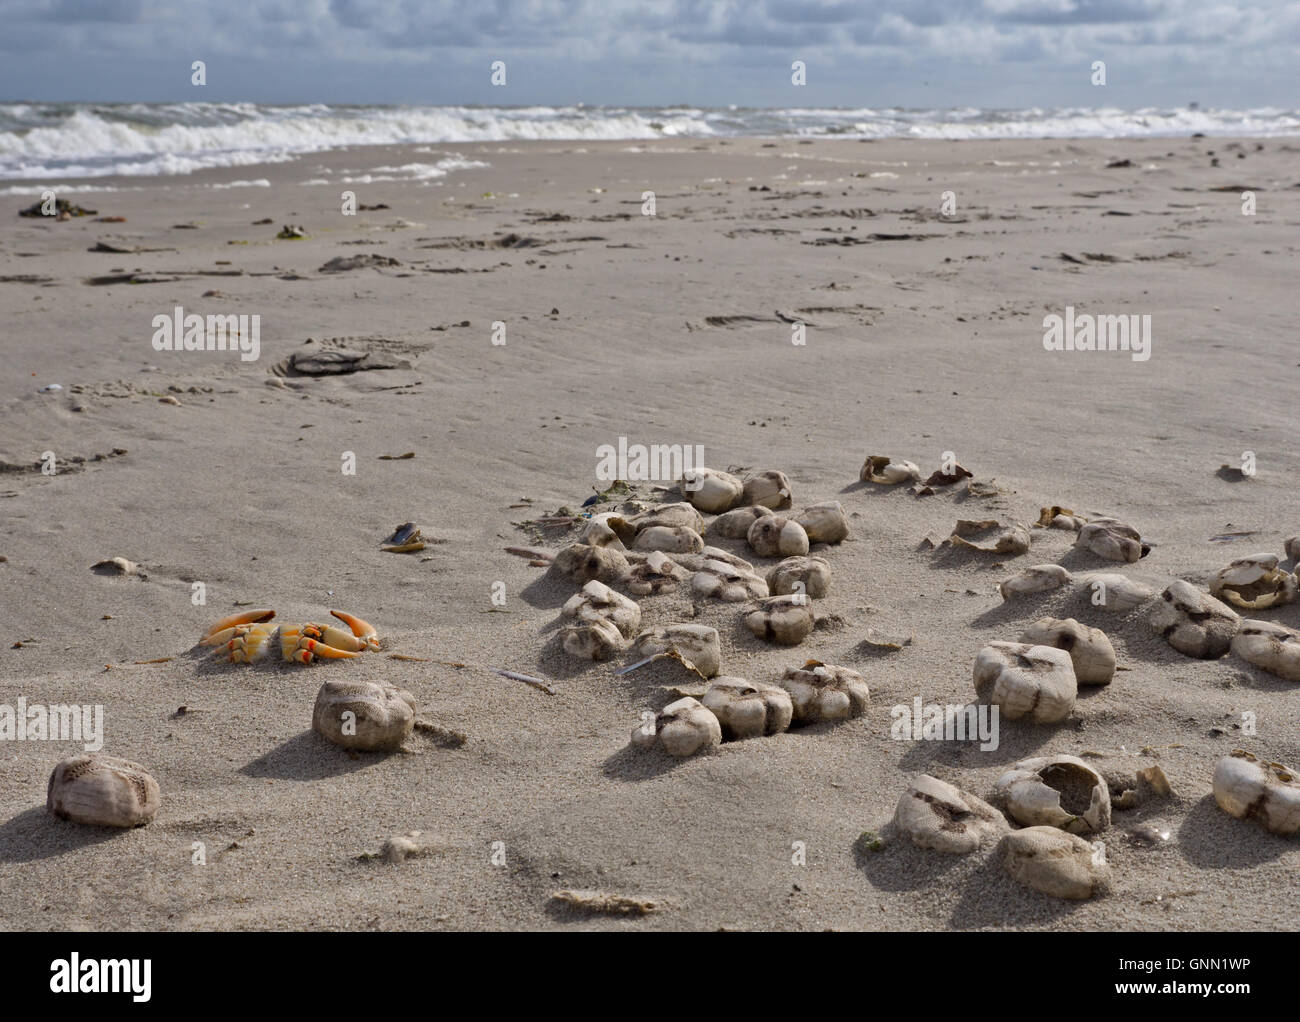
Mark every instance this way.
x=48 y=140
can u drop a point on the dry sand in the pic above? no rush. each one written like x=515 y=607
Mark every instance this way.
x=918 y=345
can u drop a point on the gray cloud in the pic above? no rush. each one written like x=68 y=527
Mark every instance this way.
x=859 y=52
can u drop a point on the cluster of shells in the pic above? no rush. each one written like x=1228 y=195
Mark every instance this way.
x=1060 y=801
x=669 y=547
x=1045 y=813
x=1197 y=623
x=1044 y=818
x=734 y=708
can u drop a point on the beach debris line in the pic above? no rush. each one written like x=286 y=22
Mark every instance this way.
x=341 y=264
x=104 y=246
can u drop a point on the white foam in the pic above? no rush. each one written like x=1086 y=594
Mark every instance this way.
x=183 y=138
x=44 y=141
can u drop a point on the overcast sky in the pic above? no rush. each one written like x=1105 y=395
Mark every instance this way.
x=873 y=53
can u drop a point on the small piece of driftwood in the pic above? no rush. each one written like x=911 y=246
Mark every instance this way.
x=527 y=679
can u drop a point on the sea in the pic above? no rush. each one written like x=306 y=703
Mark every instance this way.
x=78 y=141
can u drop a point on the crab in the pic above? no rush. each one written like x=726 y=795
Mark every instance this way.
x=244 y=638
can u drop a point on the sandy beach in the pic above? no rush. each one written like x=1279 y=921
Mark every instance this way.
x=923 y=335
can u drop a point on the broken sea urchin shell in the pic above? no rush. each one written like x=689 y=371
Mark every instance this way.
x=1056 y=791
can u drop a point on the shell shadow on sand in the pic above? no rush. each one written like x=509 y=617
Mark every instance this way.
x=549 y=592
x=988 y=896
x=1017 y=740
x=901 y=866
x=1211 y=839
x=34 y=834
x=1019 y=611
x=632 y=764
x=1078 y=559
x=555 y=663
x=992 y=898
x=309 y=757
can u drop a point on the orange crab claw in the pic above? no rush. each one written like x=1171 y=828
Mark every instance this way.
x=340 y=639
x=312 y=648
x=361 y=629
x=219 y=638
x=246 y=617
